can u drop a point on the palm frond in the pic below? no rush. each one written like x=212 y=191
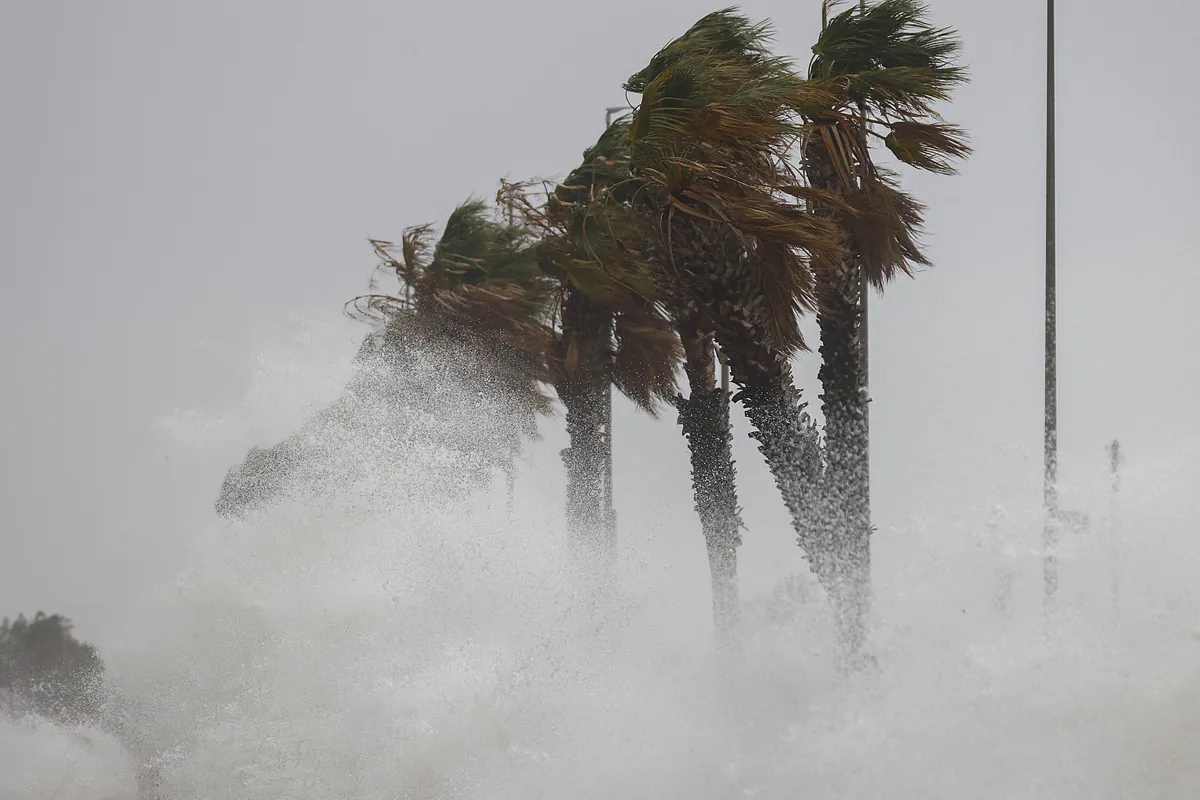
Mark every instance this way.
x=711 y=143
x=467 y=240
x=892 y=58
x=891 y=66
x=723 y=32
x=480 y=287
x=416 y=251
x=646 y=359
x=886 y=224
x=376 y=309
x=928 y=146
x=786 y=289
x=588 y=241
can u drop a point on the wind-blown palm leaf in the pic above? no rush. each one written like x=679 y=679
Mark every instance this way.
x=884 y=226
x=721 y=32
x=646 y=355
x=890 y=57
x=710 y=141
x=927 y=146
x=585 y=239
x=480 y=284
x=891 y=65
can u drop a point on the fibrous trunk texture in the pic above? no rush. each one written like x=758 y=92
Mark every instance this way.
x=585 y=392
x=846 y=509
x=704 y=417
x=846 y=503
x=715 y=287
x=790 y=443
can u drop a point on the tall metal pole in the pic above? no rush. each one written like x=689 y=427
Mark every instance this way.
x=609 y=510
x=1050 y=486
x=865 y=345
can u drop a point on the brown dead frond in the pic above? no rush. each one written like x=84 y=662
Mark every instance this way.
x=928 y=145
x=886 y=226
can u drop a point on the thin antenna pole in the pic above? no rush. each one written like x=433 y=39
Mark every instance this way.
x=1114 y=462
x=1050 y=486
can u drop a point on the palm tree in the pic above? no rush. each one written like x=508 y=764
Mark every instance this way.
x=466 y=327
x=704 y=417
x=887 y=65
x=478 y=298
x=608 y=333
x=612 y=256
x=710 y=146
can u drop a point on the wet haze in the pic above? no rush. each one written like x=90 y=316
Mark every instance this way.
x=184 y=186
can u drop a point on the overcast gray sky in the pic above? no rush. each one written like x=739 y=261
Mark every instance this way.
x=177 y=178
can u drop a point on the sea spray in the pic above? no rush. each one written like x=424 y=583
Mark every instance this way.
x=375 y=636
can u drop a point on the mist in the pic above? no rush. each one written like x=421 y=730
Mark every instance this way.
x=389 y=637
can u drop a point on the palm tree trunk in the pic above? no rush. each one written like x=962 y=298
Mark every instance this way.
x=790 y=443
x=584 y=460
x=713 y=261
x=704 y=417
x=846 y=504
x=587 y=336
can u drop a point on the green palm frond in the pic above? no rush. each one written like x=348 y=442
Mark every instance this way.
x=890 y=56
x=711 y=148
x=723 y=32
x=605 y=165
x=468 y=233
x=480 y=284
x=716 y=116
x=891 y=66
x=587 y=233
x=718 y=110
x=588 y=240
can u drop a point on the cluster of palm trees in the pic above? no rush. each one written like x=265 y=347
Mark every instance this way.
x=738 y=195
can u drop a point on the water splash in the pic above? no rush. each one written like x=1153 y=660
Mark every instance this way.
x=39 y=759
x=377 y=637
